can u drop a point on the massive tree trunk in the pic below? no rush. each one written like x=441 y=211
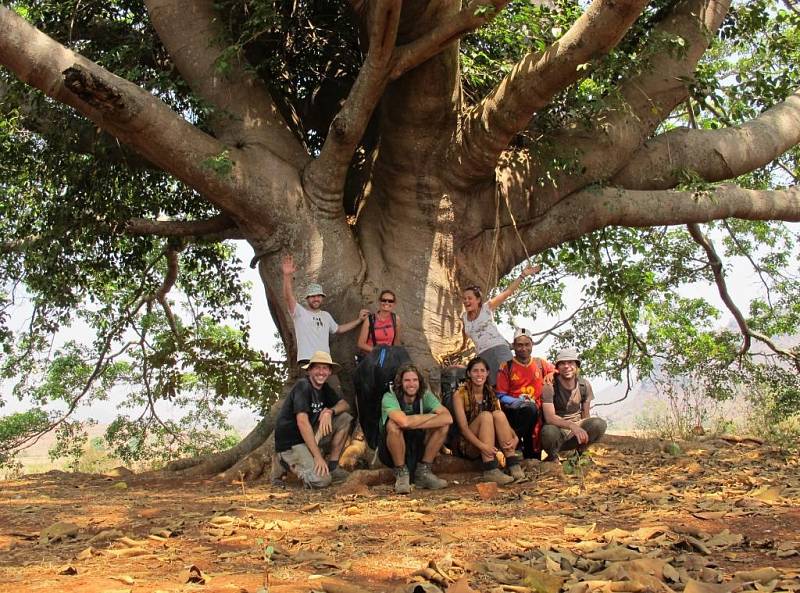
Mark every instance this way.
x=447 y=200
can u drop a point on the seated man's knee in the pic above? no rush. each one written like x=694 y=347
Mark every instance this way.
x=440 y=430
x=393 y=428
x=314 y=480
x=596 y=427
x=550 y=436
x=343 y=421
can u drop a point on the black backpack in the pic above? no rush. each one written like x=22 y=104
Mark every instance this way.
x=371 y=380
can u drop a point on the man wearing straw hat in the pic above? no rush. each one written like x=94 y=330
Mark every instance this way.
x=565 y=405
x=314 y=419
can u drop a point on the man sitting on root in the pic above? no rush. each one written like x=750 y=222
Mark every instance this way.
x=314 y=419
x=483 y=426
x=566 y=405
x=414 y=426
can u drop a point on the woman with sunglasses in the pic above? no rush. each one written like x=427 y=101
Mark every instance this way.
x=483 y=427
x=479 y=326
x=382 y=328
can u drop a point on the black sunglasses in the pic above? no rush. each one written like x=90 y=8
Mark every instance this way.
x=387 y=300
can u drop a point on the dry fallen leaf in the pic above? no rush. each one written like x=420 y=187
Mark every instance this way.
x=461 y=586
x=486 y=490
x=196 y=576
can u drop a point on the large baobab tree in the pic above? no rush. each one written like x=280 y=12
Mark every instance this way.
x=393 y=143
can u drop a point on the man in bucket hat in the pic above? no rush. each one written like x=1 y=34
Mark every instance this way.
x=312 y=325
x=314 y=419
x=565 y=405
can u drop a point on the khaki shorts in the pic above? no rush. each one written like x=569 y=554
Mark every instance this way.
x=300 y=460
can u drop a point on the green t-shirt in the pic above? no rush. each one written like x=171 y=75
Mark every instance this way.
x=389 y=403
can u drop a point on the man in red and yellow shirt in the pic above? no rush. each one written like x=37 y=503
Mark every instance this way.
x=519 y=388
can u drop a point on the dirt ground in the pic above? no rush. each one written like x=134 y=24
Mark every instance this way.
x=718 y=518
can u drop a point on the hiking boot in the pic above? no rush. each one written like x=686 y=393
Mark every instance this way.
x=425 y=478
x=516 y=472
x=402 y=480
x=496 y=476
x=339 y=475
x=552 y=457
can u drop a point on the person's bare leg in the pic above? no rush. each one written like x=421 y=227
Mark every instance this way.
x=396 y=443
x=505 y=434
x=435 y=440
x=337 y=443
x=483 y=428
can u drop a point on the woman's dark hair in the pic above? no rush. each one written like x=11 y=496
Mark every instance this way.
x=476 y=290
x=488 y=392
x=397 y=386
x=387 y=291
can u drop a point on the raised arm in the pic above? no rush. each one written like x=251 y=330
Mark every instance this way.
x=346 y=327
x=289 y=268
x=496 y=301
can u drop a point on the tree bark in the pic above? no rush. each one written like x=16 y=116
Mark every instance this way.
x=714 y=155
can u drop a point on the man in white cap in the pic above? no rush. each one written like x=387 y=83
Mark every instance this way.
x=519 y=389
x=566 y=405
x=314 y=419
x=312 y=325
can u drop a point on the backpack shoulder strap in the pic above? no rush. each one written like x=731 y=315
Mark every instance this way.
x=372 y=328
x=508 y=365
x=394 y=327
x=582 y=387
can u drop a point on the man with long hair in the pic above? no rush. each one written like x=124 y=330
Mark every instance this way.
x=414 y=426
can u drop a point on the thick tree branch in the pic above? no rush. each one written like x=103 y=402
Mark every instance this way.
x=80 y=136
x=128 y=112
x=245 y=112
x=714 y=155
x=719 y=279
x=597 y=153
x=219 y=227
x=491 y=125
x=596 y=208
x=472 y=16
x=324 y=179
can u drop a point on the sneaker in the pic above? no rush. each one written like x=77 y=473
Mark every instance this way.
x=516 y=472
x=339 y=475
x=402 y=480
x=496 y=476
x=425 y=478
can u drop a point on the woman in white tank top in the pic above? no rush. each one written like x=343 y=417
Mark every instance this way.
x=478 y=323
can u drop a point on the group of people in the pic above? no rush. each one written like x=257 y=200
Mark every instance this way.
x=511 y=406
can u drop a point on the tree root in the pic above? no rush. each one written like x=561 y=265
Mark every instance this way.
x=252 y=466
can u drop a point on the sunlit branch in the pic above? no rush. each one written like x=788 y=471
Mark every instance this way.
x=533 y=82
x=217 y=228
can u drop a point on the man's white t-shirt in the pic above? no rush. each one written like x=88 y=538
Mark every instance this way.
x=312 y=329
